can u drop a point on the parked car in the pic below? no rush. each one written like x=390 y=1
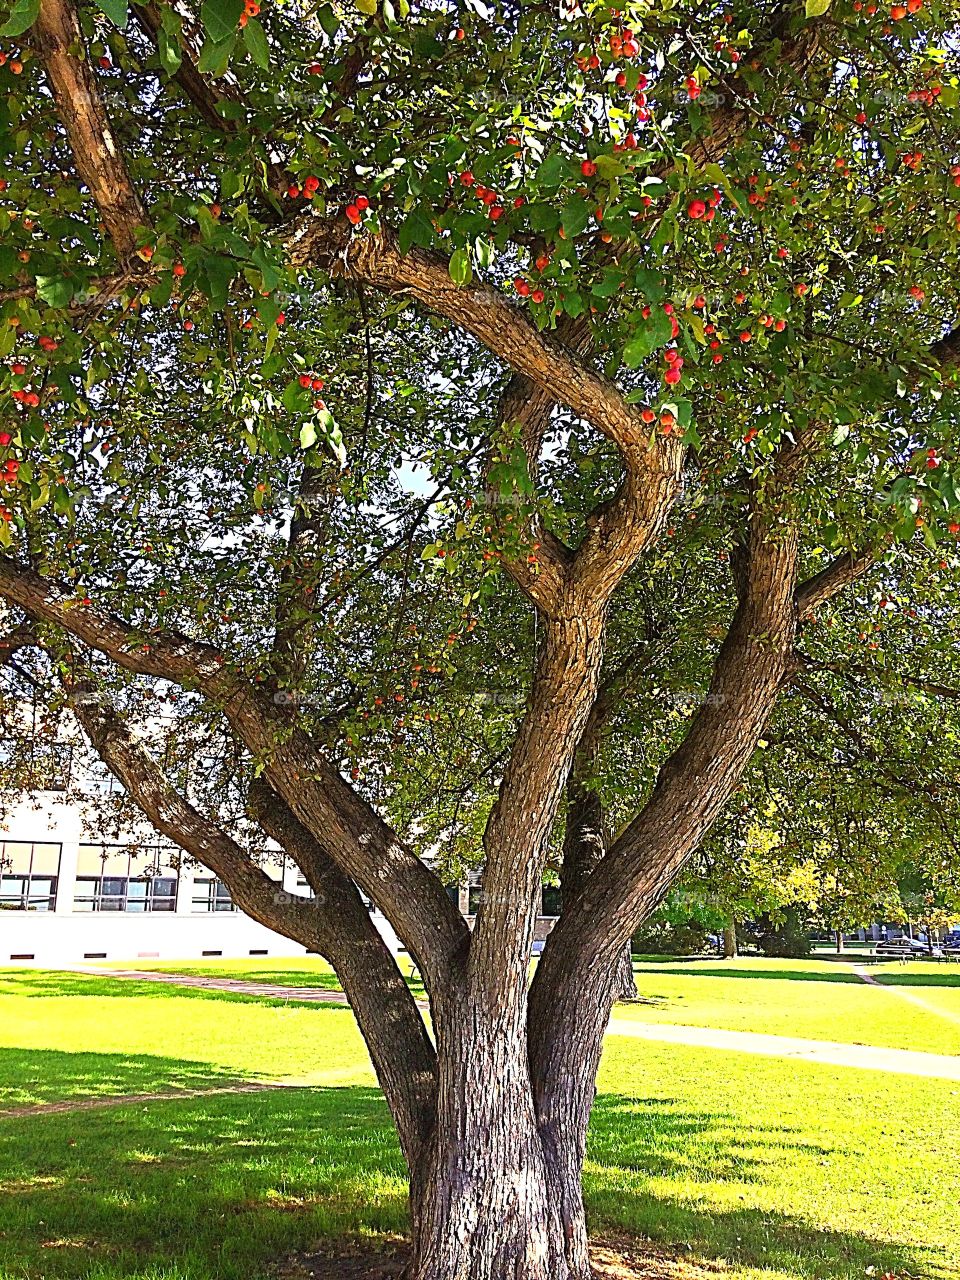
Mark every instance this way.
x=901 y=947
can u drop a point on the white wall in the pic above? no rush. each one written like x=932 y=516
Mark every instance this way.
x=66 y=937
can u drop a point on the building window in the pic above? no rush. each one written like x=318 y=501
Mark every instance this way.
x=211 y=895
x=28 y=876
x=112 y=877
x=551 y=901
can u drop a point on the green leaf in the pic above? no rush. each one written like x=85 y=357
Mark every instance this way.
x=328 y=20
x=429 y=552
x=168 y=48
x=55 y=290
x=551 y=172
x=817 y=8
x=461 y=272
x=22 y=17
x=255 y=38
x=308 y=435
x=221 y=18
x=416 y=229
x=575 y=216
x=116 y=11
x=214 y=57
x=654 y=333
x=369 y=7
x=296 y=399
x=219 y=272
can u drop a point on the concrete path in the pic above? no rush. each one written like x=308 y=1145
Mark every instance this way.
x=237 y=986
x=896 y=990
x=939 y=1066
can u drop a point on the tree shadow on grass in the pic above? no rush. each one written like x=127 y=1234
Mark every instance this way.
x=935 y=978
x=763 y=975
x=29 y=1076
x=219 y=1188
x=885 y=973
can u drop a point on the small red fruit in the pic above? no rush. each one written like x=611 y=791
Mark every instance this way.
x=696 y=209
x=352 y=214
x=588 y=168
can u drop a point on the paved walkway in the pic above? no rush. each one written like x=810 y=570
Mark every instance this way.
x=270 y=990
x=909 y=996
x=939 y=1066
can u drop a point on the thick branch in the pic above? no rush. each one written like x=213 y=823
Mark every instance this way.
x=831 y=580
x=486 y=313
x=386 y=1012
x=946 y=352
x=96 y=151
x=408 y=893
x=335 y=923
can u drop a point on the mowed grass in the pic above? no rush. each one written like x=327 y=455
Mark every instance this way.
x=776 y=997
x=788 y=1171
x=77 y=1036
x=916 y=1006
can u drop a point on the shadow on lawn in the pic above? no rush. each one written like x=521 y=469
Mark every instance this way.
x=218 y=1188
x=787 y=975
x=30 y=1076
x=936 y=978
x=887 y=973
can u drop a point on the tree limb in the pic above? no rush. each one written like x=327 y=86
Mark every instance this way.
x=365 y=848
x=97 y=153
x=831 y=580
x=335 y=923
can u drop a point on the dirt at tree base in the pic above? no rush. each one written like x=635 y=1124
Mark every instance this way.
x=618 y=1259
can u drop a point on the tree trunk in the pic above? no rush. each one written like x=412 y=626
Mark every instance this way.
x=626 y=988
x=483 y=1205
x=730 y=940
x=838 y=935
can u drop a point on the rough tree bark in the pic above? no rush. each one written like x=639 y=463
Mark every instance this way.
x=730 y=940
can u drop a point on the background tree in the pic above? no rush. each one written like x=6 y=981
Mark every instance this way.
x=430 y=406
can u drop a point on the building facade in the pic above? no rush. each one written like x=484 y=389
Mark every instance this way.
x=67 y=898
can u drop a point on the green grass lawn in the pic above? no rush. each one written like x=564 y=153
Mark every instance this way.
x=789 y=1171
x=778 y=997
x=818 y=999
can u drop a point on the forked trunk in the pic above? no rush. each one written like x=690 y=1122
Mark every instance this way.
x=486 y=1202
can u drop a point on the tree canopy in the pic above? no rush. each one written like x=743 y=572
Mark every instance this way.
x=512 y=435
